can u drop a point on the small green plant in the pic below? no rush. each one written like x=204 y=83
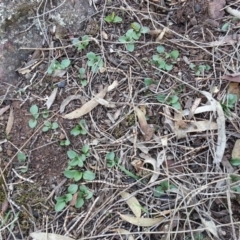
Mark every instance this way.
x=34 y=111
x=45 y=113
x=81 y=45
x=162 y=188
x=132 y=35
x=94 y=61
x=82 y=192
x=165 y=60
x=200 y=69
x=76 y=159
x=111 y=159
x=55 y=65
x=65 y=142
x=148 y=82
x=21 y=157
x=229 y=102
x=82 y=76
x=112 y=18
x=48 y=125
x=81 y=128
x=171 y=100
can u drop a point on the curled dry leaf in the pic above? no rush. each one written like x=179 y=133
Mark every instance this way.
x=133 y=203
x=5 y=206
x=90 y=105
x=221 y=142
x=124 y=232
x=199 y=126
x=148 y=131
x=210 y=225
x=87 y=107
x=48 y=236
x=10 y=121
x=236 y=149
x=66 y=101
x=51 y=98
x=4 y=109
x=155 y=164
x=234 y=12
x=143 y=222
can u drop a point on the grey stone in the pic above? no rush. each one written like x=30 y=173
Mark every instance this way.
x=21 y=26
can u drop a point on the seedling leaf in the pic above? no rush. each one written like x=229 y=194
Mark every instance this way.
x=21 y=157
x=34 y=109
x=174 y=54
x=32 y=123
x=65 y=63
x=79 y=202
x=88 y=175
x=72 y=188
x=235 y=162
x=60 y=206
x=160 y=49
x=71 y=154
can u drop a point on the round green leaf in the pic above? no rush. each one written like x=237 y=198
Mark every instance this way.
x=79 y=203
x=68 y=197
x=32 y=123
x=72 y=188
x=77 y=176
x=148 y=81
x=85 y=148
x=168 y=67
x=161 y=49
x=174 y=99
x=235 y=162
x=88 y=175
x=136 y=26
x=174 y=54
x=65 y=63
x=21 y=157
x=54 y=125
x=45 y=129
x=34 y=109
x=110 y=156
x=122 y=39
x=177 y=105
x=88 y=195
x=69 y=173
x=144 y=30
x=75 y=131
x=82 y=71
x=60 y=206
x=71 y=154
x=117 y=19
x=91 y=55
x=130 y=47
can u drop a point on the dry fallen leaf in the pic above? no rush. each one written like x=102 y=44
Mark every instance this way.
x=48 y=236
x=51 y=98
x=234 y=12
x=87 y=107
x=143 y=222
x=236 y=149
x=4 y=109
x=148 y=131
x=10 y=121
x=221 y=141
x=66 y=101
x=133 y=203
x=90 y=105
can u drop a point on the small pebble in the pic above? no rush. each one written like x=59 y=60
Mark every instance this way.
x=61 y=84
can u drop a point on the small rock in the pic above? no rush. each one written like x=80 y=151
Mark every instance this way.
x=61 y=84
